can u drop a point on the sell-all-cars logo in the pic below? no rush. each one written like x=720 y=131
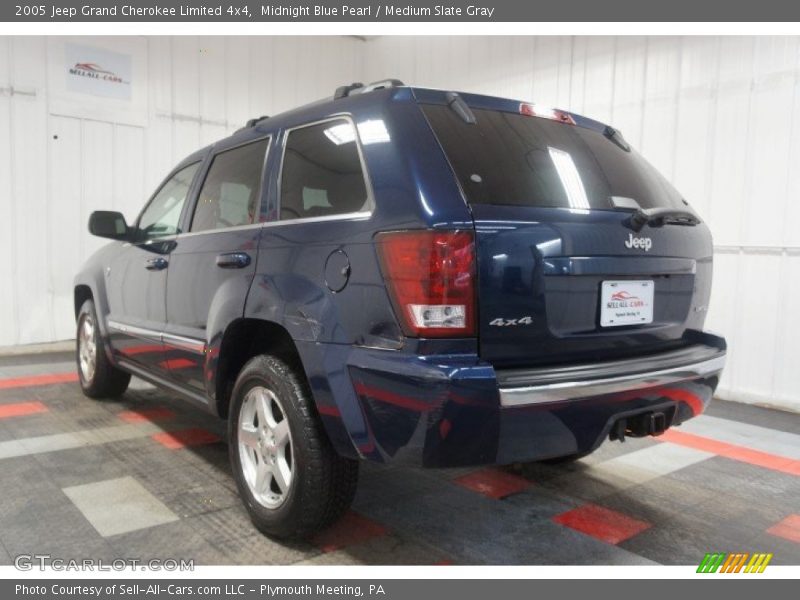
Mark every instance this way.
x=734 y=562
x=623 y=299
x=623 y=295
x=95 y=71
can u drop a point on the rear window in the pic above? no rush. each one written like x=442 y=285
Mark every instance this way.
x=519 y=160
x=322 y=174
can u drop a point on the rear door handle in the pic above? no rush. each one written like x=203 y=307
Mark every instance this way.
x=233 y=260
x=156 y=264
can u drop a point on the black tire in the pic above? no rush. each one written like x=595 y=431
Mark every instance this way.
x=105 y=381
x=323 y=483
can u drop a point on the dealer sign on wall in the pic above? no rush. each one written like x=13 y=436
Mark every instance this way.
x=97 y=71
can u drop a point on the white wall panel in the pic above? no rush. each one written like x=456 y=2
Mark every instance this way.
x=29 y=194
x=186 y=89
x=8 y=306
x=65 y=217
x=729 y=164
x=757 y=303
x=129 y=166
x=237 y=81
x=787 y=375
x=768 y=167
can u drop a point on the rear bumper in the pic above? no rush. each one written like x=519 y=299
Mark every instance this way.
x=456 y=410
x=543 y=386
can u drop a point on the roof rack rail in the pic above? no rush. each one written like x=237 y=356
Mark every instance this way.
x=345 y=90
x=360 y=88
x=252 y=123
x=379 y=85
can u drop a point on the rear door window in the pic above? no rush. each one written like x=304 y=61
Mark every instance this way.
x=322 y=174
x=520 y=160
x=230 y=193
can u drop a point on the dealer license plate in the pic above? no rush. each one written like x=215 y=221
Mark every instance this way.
x=626 y=303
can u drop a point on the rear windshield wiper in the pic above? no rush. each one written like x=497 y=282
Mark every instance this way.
x=656 y=217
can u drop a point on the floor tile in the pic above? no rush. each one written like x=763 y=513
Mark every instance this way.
x=19 y=409
x=602 y=523
x=351 y=529
x=175 y=440
x=119 y=505
x=788 y=529
x=494 y=483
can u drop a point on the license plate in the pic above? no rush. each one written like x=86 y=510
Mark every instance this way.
x=626 y=303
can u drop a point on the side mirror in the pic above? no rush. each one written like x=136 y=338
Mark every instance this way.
x=108 y=224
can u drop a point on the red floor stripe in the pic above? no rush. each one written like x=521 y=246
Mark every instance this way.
x=788 y=529
x=493 y=483
x=146 y=415
x=20 y=409
x=175 y=440
x=351 y=529
x=602 y=523
x=732 y=451
x=32 y=380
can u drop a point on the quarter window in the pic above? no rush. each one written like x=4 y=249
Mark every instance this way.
x=162 y=215
x=322 y=174
x=229 y=196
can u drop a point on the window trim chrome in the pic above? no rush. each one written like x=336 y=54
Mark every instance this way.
x=364 y=173
x=139 y=332
x=183 y=343
x=162 y=337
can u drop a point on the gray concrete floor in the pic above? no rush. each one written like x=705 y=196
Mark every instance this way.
x=147 y=476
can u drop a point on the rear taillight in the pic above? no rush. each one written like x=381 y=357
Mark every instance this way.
x=431 y=279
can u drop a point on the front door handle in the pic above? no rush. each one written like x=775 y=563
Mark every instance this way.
x=233 y=260
x=156 y=264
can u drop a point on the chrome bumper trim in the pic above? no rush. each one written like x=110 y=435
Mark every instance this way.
x=569 y=390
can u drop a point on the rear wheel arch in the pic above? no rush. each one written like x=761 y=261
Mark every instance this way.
x=243 y=340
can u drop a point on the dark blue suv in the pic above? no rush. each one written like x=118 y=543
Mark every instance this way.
x=406 y=275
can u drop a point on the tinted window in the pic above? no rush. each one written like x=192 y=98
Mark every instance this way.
x=322 y=173
x=229 y=196
x=508 y=158
x=162 y=215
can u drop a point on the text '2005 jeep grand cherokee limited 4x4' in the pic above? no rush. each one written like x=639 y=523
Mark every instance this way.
x=410 y=275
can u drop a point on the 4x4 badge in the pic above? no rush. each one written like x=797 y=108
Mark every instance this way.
x=645 y=243
x=500 y=322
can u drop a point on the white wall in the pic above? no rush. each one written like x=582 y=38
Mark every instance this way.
x=719 y=116
x=197 y=90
